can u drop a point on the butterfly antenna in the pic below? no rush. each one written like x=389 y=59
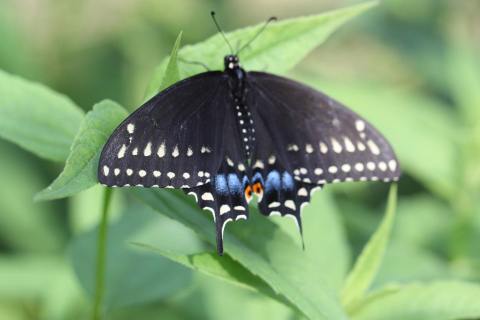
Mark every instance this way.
x=212 y=13
x=271 y=19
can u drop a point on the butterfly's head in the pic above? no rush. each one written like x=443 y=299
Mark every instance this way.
x=231 y=62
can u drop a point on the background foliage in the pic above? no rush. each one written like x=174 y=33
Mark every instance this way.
x=410 y=67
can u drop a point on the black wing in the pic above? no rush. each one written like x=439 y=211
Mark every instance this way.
x=184 y=137
x=173 y=140
x=316 y=140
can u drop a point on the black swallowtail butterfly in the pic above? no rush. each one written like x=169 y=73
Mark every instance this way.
x=224 y=136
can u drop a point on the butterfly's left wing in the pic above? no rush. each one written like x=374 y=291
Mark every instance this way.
x=306 y=139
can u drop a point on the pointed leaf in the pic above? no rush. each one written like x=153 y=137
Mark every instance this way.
x=80 y=170
x=280 y=47
x=262 y=248
x=443 y=300
x=37 y=118
x=171 y=74
x=368 y=263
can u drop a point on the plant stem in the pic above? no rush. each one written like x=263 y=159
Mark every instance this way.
x=101 y=257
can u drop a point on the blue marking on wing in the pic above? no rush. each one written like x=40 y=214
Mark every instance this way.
x=221 y=186
x=273 y=181
x=287 y=181
x=234 y=183
x=245 y=182
x=257 y=177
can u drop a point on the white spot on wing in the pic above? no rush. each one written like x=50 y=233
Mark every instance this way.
x=348 y=144
x=148 y=150
x=142 y=173
x=359 y=166
x=116 y=171
x=318 y=171
x=302 y=192
x=189 y=152
x=171 y=175
x=392 y=164
x=382 y=166
x=373 y=147
x=337 y=147
x=309 y=148
x=274 y=204
x=224 y=209
x=207 y=196
x=121 y=153
x=186 y=175
x=106 y=170
x=290 y=204
x=156 y=173
x=360 y=125
x=205 y=149
x=332 y=169
x=271 y=159
x=259 y=164
x=130 y=128
x=371 y=166
x=175 y=152
x=323 y=147
x=161 y=150
x=135 y=152
x=346 y=167
x=129 y=172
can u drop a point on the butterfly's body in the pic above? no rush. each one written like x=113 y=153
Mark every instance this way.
x=223 y=136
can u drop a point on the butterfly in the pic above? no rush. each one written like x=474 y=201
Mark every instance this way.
x=227 y=136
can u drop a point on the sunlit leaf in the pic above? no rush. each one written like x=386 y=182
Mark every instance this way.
x=281 y=46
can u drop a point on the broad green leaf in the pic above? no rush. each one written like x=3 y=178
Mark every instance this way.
x=368 y=263
x=261 y=247
x=171 y=74
x=37 y=118
x=326 y=246
x=280 y=47
x=445 y=300
x=223 y=268
x=134 y=277
x=80 y=170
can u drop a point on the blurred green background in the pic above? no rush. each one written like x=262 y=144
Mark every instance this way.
x=411 y=67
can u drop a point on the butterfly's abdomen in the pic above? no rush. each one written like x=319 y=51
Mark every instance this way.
x=243 y=115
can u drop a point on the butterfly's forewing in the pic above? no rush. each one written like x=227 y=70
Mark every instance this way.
x=304 y=133
x=172 y=140
x=184 y=137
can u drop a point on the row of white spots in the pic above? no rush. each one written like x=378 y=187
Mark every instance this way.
x=337 y=147
x=142 y=173
x=161 y=151
x=360 y=167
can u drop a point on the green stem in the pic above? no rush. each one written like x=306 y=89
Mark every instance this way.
x=101 y=257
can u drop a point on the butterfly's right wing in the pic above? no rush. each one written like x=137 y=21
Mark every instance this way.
x=174 y=140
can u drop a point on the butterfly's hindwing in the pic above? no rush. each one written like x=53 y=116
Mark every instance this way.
x=224 y=197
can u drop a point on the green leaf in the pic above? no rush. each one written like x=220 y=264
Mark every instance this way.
x=280 y=47
x=221 y=267
x=261 y=247
x=80 y=170
x=368 y=263
x=171 y=74
x=134 y=277
x=37 y=118
x=443 y=300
